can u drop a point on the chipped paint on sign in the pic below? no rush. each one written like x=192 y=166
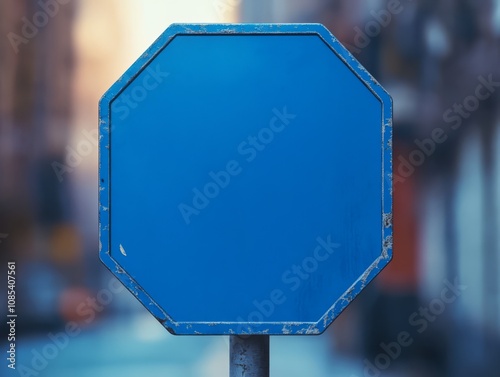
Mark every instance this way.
x=122 y=250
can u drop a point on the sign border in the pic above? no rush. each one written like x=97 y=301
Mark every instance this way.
x=246 y=328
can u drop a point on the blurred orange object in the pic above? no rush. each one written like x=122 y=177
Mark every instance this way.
x=402 y=274
x=65 y=244
x=69 y=302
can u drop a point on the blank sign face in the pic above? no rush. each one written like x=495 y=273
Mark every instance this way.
x=245 y=179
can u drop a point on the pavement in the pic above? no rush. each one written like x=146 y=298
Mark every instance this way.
x=137 y=345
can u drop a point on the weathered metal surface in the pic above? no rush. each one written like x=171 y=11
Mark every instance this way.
x=249 y=356
x=246 y=179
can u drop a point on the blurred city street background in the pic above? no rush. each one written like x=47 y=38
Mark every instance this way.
x=435 y=311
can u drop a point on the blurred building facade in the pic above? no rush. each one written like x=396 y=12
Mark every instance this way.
x=36 y=209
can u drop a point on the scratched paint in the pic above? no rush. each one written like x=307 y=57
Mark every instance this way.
x=249 y=356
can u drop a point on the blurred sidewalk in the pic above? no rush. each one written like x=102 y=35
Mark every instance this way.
x=140 y=346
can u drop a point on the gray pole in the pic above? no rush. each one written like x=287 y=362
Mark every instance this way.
x=249 y=356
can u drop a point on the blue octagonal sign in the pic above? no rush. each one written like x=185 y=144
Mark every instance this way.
x=245 y=179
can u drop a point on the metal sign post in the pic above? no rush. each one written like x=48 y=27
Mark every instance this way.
x=246 y=182
x=249 y=356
